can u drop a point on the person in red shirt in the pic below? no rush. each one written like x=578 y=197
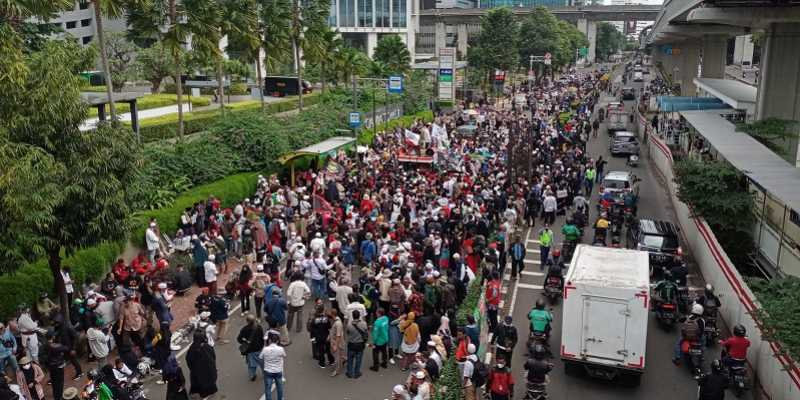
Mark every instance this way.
x=120 y=270
x=501 y=382
x=493 y=299
x=141 y=264
x=735 y=346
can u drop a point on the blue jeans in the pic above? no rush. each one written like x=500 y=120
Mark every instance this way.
x=10 y=360
x=269 y=378
x=354 y=361
x=253 y=363
x=319 y=289
x=544 y=253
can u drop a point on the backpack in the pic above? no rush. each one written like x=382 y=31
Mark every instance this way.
x=690 y=329
x=480 y=373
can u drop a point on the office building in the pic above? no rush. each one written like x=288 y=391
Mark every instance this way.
x=363 y=22
x=79 y=23
x=523 y=3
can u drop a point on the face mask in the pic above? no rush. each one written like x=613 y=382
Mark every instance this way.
x=26 y=366
x=500 y=366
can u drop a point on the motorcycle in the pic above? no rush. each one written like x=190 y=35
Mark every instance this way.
x=539 y=337
x=552 y=289
x=567 y=249
x=535 y=391
x=694 y=358
x=683 y=297
x=710 y=317
x=737 y=376
x=666 y=315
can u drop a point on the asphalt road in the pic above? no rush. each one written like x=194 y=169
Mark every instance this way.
x=305 y=380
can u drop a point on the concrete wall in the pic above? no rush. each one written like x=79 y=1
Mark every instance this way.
x=778 y=379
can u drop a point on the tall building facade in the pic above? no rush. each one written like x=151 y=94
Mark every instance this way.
x=79 y=23
x=363 y=22
x=523 y=3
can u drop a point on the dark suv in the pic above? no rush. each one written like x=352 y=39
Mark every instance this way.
x=659 y=238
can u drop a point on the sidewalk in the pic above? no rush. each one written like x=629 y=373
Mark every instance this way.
x=747 y=75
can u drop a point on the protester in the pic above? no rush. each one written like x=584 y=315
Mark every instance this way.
x=202 y=362
x=251 y=341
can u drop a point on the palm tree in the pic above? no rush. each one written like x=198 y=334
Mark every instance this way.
x=206 y=25
x=274 y=18
x=351 y=62
x=112 y=9
x=248 y=35
x=322 y=50
x=393 y=53
x=15 y=12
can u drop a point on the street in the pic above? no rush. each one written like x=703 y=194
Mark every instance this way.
x=661 y=380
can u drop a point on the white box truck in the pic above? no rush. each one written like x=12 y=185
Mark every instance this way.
x=605 y=311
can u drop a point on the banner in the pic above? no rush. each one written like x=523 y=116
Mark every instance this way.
x=412 y=137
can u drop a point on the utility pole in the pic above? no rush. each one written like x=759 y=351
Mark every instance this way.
x=530 y=68
x=297 y=37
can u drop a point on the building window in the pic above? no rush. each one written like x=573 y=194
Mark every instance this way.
x=365 y=13
x=87 y=39
x=86 y=22
x=347 y=13
x=72 y=24
x=83 y=5
x=399 y=13
x=382 y=10
x=332 y=15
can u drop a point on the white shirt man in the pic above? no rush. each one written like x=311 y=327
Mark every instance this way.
x=151 y=238
x=210 y=270
x=317 y=244
x=272 y=357
x=297 y=293
x=550 y=204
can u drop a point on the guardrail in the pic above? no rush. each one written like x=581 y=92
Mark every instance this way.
x=778 y=377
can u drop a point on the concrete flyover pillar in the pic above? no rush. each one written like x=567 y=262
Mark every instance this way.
x=463 y=40
x=440 y=38
x=687 y=62
x=743 y=50
x=779 y=78
x=372 y=43
x=589 y=28
x=715 y=49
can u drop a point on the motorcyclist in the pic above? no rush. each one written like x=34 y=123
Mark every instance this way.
x=540 y=319
x=537 y=366
x=556 y=268
x=629 y=199
x=665 y=291
x=712 y=386
x=691 y=331
x=571 y=232
x=600 y=228
x=708 y=299
x=735 y=347
x=680 y=273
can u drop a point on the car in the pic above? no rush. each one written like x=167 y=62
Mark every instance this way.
x=659 y=239
x=619 y=182
x=624 y=142
x=638 y=76
x=628 y=93
x=603 y=69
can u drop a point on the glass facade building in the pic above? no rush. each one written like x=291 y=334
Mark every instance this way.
x=369 y=14
x=523 y=3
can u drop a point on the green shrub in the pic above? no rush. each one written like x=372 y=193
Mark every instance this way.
x=779 y=314
x=366 y=136
x=229 y=190
x=470 y=303
x=151 y=101
x=448 y=387
x=35 y=278
x=238 y=89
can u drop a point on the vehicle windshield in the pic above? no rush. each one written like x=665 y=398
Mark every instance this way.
x=660 y=242
x=615 y=184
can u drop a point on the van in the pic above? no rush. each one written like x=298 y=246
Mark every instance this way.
x=638 y=76
x=619 y=182
x=623 y=142
x=617 y=117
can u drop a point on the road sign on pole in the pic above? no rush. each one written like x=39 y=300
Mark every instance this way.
x=395 y=84
x=548 y=58
x=447 y=63
x=355 y=119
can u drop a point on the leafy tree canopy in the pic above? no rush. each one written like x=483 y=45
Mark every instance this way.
x=393 y=54
x=497 y=44
x=609 y=40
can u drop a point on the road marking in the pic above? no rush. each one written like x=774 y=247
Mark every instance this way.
x=532 y=273
x=532 y=262
x=230 y=316
x=533 y=251
x=533 y=241
x=527 y=286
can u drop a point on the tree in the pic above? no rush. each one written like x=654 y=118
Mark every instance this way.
x=154 y=64
x=777 y=134
x=496 y=46
x=417 y=92
x=393 y=54
x=246 y=41
x=570 y=40
x=62 y=189
x=275 y=18
x=351 y=62
x=121 y=53
x=308 y=26
x=323 y=53
x=609 y=40
x=16 y=12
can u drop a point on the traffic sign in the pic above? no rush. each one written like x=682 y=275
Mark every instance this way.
x=355 y=119
x=447 y=63
x=445 y=75
x=395 y=84
x=548 y=58
x=583 y=51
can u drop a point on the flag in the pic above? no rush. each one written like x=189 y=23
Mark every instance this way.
x=412 y=138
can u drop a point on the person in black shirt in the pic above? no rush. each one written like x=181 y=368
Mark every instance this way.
x=712 y=386
x=56 y=353
x=251 y=341
x=537 y=367
x=505 y=336
x=319 y=325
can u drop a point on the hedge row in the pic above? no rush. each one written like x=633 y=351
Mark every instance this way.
x=165 y=127
x=151 y=101
x=28 y=282
x=229 y=190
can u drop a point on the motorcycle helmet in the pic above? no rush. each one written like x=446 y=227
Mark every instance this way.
x=709 y=289
x=739 y=330
x=540 y=304
x=697 y=309
x=716 y=366
x=556 y=252
x=539 y=352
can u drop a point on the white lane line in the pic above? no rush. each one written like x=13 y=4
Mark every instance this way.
x=533 y=251
x=516 y=284
x=528 y=286
x=532 y=240
x=532 y=261
x=532 y=273
x=503 y=290
x=230 y=316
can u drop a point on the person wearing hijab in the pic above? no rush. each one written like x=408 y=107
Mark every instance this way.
x=202 y=363
x=410 y=343
x=176 y=382
x=31 y=379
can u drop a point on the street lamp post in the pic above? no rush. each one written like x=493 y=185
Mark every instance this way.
x=530 y=68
